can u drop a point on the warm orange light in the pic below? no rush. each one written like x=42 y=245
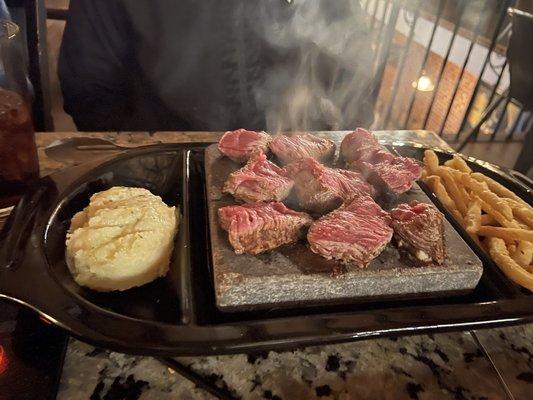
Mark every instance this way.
x=424 y=84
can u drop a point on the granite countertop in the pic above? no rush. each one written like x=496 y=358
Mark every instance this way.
x=440 y=366
x=487 y=364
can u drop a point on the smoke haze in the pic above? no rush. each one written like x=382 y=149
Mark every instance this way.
x=325 y=83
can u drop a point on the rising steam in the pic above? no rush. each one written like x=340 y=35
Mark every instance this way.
x=325 y=81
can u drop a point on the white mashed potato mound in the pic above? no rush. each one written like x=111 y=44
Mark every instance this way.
x=122 y=239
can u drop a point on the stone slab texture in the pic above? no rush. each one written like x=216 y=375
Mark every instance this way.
x=292 y=275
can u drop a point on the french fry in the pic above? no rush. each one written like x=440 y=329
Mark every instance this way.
x=516 y=222
x=431 y=161
x=498 y=216
x=509 y=267
x=487 y=219
x=509 y=234
x=487 y=196
x=524 y=214
x=450 y=163
x=452 y=188
x=507 y=225
x=497 y=188
x=457 y=177
x=424 y=174
x=520 y=224
x=464 y=192
x=523 y=253
x=461 y=164
x=436 y=186
x=473 y=216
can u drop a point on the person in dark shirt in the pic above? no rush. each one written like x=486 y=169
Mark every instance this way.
x=216 y=65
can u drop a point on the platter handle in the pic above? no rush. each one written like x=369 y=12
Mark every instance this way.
x=523 y=178
x=17 y=228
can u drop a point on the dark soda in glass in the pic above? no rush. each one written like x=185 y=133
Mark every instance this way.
x=19 y=165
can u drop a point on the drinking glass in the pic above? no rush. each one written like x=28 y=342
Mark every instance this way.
x=19 y=164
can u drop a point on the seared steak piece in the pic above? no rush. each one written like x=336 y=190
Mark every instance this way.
x=320 y=189
x=257 y=227
x=373 y=154
x=355 y=233
x=239 y=144
x=259 y=180
x=394 y=175
x=356 y=141
x=419 y=229
x=291 y=148
x=362 y=152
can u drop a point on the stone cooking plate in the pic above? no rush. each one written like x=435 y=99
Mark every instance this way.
x=292 y=275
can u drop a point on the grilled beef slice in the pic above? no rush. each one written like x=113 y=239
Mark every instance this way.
x=292 y=148
x=394 y=175
x=355 y=141
x=320 y=189
x=259 y=180
x=362 y=152
x=355 y=233
x=257 y=227
x=419 y=229
x=239 y=144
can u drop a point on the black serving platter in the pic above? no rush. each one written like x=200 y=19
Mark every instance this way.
x=177 y=315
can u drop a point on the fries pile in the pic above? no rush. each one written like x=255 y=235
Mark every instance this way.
x=499 y=221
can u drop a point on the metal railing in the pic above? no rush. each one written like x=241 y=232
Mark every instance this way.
x=457 y=47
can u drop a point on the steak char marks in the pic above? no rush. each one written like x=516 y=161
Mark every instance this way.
x=292 y=148
x=320 y=189
x=259 y=180
x=258 y=227
x=419 y=229
x=355 y=233
x=240 y=144
x=362 y=152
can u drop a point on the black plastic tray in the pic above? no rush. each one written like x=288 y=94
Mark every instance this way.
x=177 y=315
